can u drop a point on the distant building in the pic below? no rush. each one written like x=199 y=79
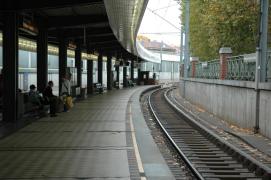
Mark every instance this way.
x=168 y=69
x=156 y=45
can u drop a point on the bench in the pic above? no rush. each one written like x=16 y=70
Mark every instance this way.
x=98 y=88
x=131 y=83
x=117 y=85
x=28 y=108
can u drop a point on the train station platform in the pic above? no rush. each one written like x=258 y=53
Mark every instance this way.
x=102 y=137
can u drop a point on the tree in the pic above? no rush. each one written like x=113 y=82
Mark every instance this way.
x=220 y=23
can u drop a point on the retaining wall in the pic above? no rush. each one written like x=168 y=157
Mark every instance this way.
x=233 y=101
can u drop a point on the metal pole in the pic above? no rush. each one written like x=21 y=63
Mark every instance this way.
x=181 y=46
x=261 y=59
x=257 y=78
x=186 y=55
x=263 y=39
x=161 y=56
x=186 y=52
x=181 y=59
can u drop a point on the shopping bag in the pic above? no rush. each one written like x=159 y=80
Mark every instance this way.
x=69 y=102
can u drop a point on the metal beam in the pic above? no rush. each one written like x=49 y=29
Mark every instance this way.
x=79 y=20
x=78 y=32
x=89 y=36
x=44 y=4
x=108 y=44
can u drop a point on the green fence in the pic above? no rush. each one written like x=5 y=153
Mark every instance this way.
x=241 y=69
x=207 y=70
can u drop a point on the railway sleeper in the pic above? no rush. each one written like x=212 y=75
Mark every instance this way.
x=209 y=156
x=225 y=171
x=211 y=163
x=232 y=177
x=224 y=167
x=213 y=159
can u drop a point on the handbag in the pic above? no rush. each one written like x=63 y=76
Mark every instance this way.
x=69 y=102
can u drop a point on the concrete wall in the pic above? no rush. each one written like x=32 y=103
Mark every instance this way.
x=233 y=101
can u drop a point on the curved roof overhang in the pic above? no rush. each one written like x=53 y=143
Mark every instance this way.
x=125 y=18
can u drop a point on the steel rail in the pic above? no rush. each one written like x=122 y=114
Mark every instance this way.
x=182 y=155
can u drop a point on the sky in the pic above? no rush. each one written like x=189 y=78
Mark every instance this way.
x=152 y=24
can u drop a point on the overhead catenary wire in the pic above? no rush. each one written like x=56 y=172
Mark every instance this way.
x=164 y=19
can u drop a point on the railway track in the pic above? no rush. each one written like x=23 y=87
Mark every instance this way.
x=207 y=155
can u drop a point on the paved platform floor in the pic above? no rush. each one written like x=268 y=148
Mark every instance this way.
x=92 y=141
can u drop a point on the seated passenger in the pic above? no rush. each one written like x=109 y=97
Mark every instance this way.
x=36 y=99
x=34 y=96
x=48 y=94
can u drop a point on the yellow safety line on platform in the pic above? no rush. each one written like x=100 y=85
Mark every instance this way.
x=138 y=158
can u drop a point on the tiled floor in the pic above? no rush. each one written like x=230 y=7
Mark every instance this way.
x=87 y=142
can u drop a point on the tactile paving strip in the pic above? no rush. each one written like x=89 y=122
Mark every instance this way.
x=133 y=167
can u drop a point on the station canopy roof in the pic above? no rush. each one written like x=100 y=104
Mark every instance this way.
x=108 y=26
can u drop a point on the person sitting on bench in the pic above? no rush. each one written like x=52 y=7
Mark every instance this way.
x=37 y=100
x=48 y=94
x=34 y=96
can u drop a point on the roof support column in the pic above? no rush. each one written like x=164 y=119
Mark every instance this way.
x=125 y=81
x=138 y=76
x=100 y=69
x=10 y=66
x=42 y=58
x=90 y=76
x=109 y=72
x=62 y=60
x=118 y=75
x=132 y=70
x=78 y=64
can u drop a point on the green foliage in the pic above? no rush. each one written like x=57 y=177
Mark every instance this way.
x=222 y=23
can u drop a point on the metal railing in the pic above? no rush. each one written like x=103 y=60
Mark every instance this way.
x=239 y=69
x=242 y=67
x=207 y=70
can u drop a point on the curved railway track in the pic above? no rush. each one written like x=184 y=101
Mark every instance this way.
x=206 y=155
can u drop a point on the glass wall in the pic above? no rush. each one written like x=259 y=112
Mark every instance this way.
x=104 y=73
x=27 y=74
x=53 y=71
x=95 y=71
x=84 y=73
